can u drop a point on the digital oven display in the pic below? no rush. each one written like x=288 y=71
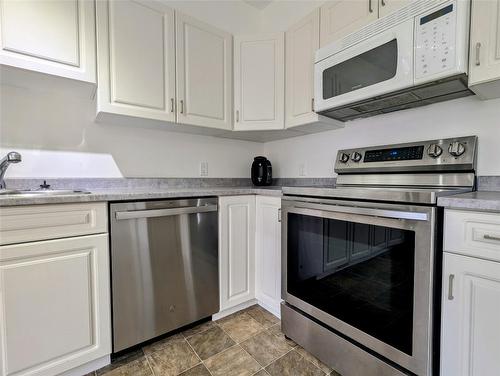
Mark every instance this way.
x=399 y=154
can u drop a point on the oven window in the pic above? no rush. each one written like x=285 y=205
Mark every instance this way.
x=361 y=274
x=371 y=67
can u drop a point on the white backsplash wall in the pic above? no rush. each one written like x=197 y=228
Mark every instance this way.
x=314 y=155
x=57 y=137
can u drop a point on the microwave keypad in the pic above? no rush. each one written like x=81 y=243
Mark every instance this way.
x=435 y=44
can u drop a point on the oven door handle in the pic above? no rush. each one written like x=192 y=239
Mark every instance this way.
x=383 y=213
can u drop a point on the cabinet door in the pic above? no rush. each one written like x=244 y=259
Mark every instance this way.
x=204 y=70
x=54 y=37
x=386 y=7
x=342 y=17
x=259 y=92
x=268 y=252
x=302 y=40
x=470 y=332
x=237 y=250
x=136 y=57
x=485 y=48
x=55 y=305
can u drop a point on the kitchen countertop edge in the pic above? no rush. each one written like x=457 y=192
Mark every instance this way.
x=134 y=195
x=479 y=201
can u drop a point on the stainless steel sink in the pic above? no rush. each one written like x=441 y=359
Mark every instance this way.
x=41 y=192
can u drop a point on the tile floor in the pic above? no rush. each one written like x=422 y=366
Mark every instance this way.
x=249 y=342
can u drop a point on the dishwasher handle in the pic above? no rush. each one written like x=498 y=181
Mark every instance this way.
x=151 y=213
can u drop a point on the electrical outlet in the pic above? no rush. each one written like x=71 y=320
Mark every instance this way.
x=203 y=168
x=302 y=169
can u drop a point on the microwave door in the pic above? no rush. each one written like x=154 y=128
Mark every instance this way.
x=378 y=65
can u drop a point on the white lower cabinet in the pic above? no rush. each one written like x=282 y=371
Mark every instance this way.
x=236 y=250
x=249 y=253
x=268 y=252
x=470 y=342
x=470 y=324
x=54 y=305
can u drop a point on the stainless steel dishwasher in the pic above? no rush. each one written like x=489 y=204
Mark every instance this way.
x=164 y=266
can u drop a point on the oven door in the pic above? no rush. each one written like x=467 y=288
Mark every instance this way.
x=366 y=271
x=378 y=65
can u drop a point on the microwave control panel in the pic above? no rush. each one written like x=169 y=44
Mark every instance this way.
x=435 y=48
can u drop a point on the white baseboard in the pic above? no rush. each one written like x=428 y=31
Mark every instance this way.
x=270 y=306
x=88 y=367
x=273 y=307
x=234 y=309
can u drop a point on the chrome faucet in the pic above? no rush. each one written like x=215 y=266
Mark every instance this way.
x=12 y=157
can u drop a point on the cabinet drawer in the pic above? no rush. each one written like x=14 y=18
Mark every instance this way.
x=39 y=222
x=473 y=234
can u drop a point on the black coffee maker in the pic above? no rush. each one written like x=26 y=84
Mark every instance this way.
x=262 y=171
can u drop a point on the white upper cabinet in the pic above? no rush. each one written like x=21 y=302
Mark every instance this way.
x=484 y=70
x=54 y=37
x=302 y=41
x=342 y=17
x=136 y=59
x=259 y=92
x=386 y=7
x=204 y=74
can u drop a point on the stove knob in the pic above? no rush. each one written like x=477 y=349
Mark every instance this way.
x=456 y=149
x=434 y=151
x=343 y=157
x=356 y=157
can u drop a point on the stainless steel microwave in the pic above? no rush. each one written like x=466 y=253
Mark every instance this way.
x=415 y=56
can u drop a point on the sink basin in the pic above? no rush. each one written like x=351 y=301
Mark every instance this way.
x=41 y=192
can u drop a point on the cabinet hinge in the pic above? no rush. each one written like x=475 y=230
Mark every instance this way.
x=279 y=215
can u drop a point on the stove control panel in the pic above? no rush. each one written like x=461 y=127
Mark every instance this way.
x=455 y=154
x=394 y=154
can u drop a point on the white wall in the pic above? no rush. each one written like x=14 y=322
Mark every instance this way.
x=281 y=14
x=461 y=117
x=57 y=137
x=231 y=15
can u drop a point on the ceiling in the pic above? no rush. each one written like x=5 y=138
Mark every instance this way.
x=259 y=4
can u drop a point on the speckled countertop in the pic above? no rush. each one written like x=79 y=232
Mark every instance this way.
x=126 y=194
x=481 y=200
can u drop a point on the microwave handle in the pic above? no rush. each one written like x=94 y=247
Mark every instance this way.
x=383 y=213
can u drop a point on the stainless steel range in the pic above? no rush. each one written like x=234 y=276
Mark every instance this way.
x=361 y=262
